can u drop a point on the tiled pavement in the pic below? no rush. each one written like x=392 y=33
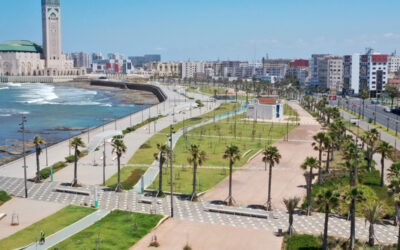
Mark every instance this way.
x=195 y=211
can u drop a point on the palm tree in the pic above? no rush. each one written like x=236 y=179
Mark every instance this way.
x=161 y=157
x=328 y=145
x=373 y=213
x=119 y=148
x=327 y=200
x=319 y=145
x=75 y=144
x=312 y=163
x=370 y=138
x=197 y=158
x=386 y=150
x=291 y=205
x=38 y=142
x=364 y=94
x=232 y=153
x=272 y=157
x=394 y=188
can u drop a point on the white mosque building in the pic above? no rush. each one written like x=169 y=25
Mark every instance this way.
x=26 y=58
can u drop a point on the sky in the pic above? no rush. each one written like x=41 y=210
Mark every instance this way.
x=213 y=29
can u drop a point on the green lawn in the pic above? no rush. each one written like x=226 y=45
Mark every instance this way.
x=307 y=241
x=287 y=110
x=183 y=179
x=118 y=230
x=49 y=225
x=4 y=197
x=129 y=177
x=145 y=154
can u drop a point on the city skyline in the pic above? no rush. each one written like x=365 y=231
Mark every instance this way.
x=213 y=31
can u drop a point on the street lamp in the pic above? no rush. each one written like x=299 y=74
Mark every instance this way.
x=22 y=126
x=171 y=132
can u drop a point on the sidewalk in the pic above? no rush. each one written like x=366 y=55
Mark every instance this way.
x=67 y=232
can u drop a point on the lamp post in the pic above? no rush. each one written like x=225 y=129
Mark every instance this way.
x=22 y=124
x=171 y=132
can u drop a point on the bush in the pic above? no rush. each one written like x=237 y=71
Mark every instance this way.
x=46 y=172
x=133 y=128
x=145 y=145
x=4 y=197
x=302 y=241
x=199 y=103
x=70 y=158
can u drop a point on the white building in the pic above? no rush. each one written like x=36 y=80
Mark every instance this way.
x=265 y=108
x=393 y=64
x=373 y=72
x=330 y=73
x=190 y=69
x=81 y=60
x=351 y=74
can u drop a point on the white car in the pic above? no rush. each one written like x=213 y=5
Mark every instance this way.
x=387 y=109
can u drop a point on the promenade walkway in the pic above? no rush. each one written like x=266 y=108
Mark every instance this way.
x=72 y=229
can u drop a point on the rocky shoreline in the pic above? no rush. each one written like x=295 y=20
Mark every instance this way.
x=127 y=96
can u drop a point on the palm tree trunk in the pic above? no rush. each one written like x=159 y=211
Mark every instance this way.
x=75 y=182
x=327 y=161
x=396 y=214
x=325 y=243
x=118 y=189
x=352 y=223
x=320 y=170
x=371 y=239
x=333 y=154
x=382 y=170
x=230 y=201
x=398 y=240
x=309 y=187
x=37 y=166
x=290 y=230
x=194 y=194
x=269 y=203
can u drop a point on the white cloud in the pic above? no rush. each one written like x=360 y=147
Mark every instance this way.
x=160 y=49
x=391 y=35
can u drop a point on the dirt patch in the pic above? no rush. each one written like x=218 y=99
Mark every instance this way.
x=175 y=234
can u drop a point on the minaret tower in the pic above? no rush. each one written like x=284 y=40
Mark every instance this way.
x=51 y=21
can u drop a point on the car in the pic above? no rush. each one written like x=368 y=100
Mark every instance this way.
x=375 y=102
x=387 y=109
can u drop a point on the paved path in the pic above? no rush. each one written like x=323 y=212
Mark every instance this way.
x=70 y=230
x=196 y=211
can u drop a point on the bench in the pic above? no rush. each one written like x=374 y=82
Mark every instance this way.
x=146 y=201
x=237 y=212
x=72 y=191
x=2 y=215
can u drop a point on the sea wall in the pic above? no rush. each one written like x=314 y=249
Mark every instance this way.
x=161 y=96
x=41 y=79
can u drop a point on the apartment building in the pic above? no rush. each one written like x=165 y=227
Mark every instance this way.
x=314 y=66
x=330 y=73
x=393 y=63
x=173 y=69
x=301 y=69
x=192 y=69
x=351 y=74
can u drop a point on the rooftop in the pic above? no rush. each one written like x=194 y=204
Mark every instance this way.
x=20 y=46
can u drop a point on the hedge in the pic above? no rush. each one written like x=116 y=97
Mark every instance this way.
x=133 y=128
x=45 y=172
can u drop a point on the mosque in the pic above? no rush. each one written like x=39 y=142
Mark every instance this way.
x=26 y=58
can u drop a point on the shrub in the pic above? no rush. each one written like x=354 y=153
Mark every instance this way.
x=199 y=103
x=70 y=158
x=4 y=197
x=145 y=145
x=187 y=247
x=302 y=241
x=46 y=172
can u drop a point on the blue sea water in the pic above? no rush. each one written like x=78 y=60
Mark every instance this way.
x=49 y=107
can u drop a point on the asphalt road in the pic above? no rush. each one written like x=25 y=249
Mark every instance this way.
x=382 y=117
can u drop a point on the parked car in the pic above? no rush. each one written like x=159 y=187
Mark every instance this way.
x=375 y=102
x=387 y=109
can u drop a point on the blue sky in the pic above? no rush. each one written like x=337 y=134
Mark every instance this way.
x=212 y=29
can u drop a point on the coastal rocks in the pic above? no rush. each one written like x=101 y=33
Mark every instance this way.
x=67 y=129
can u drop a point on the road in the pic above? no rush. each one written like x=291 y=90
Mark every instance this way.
x=382 y=117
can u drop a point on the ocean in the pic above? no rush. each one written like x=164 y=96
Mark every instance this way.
x=50 y=107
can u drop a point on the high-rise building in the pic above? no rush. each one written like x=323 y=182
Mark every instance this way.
x=301 y=69
x=351 y=74
x=191 y=69
x=393 y=63
x=116 y=56
x=141 y=61
x=97 y=56
x=330 y=73
x=314 y=65
x=276 y=67
x=81 y=60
